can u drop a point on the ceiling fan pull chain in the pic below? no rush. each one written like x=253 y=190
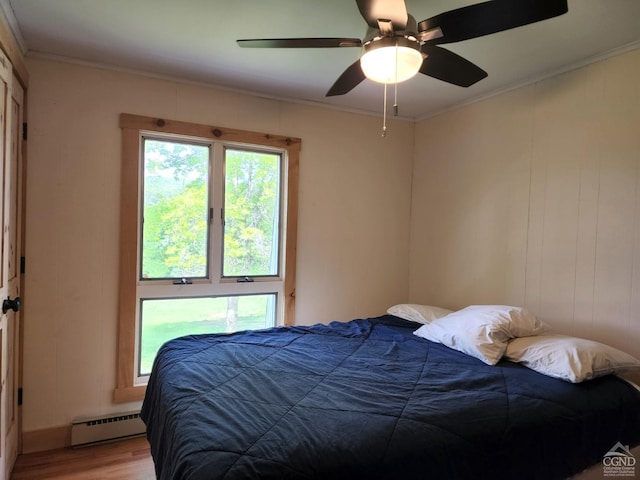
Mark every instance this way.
x=384 y=112
x=395 y=85
x=395 y=102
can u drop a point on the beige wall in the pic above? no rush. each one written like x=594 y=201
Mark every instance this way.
x=353 y=219
x=533 y=198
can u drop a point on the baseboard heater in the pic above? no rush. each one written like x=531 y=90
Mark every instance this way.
x=106 y=428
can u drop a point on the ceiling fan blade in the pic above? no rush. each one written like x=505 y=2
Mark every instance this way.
x=349 y=79
x=299 y=42
x=490 y=17
x=450 y=67
x=374 y=10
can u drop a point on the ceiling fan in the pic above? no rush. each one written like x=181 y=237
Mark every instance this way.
x=396 y=47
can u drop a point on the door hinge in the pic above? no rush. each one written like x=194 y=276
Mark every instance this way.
x=23 y=262
x=24 y=131
x=20 y=396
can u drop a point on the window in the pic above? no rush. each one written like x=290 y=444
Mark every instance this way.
x=175 y=206
x=208 y=232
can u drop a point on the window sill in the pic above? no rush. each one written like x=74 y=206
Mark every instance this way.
x=129 y=394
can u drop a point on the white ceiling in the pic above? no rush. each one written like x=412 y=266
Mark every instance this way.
x=195 y=40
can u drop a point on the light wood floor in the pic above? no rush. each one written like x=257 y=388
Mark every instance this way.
x=123 y=460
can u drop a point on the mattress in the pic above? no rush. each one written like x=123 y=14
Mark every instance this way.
x=368 y=399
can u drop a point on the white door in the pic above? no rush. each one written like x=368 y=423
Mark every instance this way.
x=11 y=108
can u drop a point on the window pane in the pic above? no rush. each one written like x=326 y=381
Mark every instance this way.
x=175 y=228
x=252 y=213
x=164 y=319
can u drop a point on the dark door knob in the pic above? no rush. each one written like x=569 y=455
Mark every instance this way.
x=8 y=304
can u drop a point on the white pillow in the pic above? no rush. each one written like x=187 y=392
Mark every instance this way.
x=482 y=331
x=418 y=313
x=569 y=358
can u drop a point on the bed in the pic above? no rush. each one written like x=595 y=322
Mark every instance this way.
x=370 y=399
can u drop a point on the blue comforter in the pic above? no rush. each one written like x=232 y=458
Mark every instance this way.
x=368 y=399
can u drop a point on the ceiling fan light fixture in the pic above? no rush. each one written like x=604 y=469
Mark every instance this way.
x=391 y=59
